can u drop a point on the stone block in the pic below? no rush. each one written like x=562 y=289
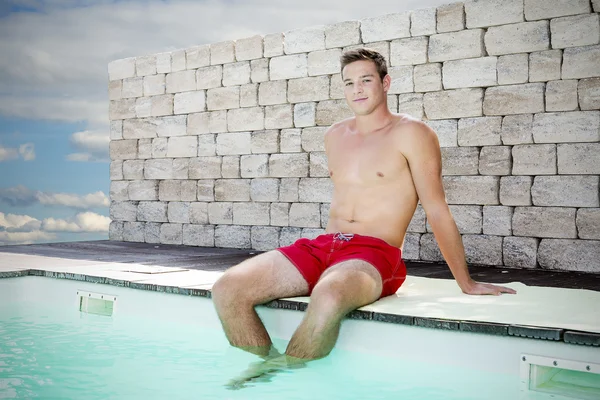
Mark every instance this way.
x=288 y=165
x=324 y=62
x=273 y=45
x=178 y=212
x=485 y=13
x=418 y=221
x=121 y=69
x=409 y=103
x=546 y=9
x=152 y=211
x=230 y=167
x=279 y=116
x=143 y=107
x=139 y=128
x=305 y=114
x=181 y=81
x=232 y=190
x=446 y=131
x=318 y=164
x=596 y=4
x=288 y=189
x=246 y=119
x=581 y=62
x=234 y=143
x=517 y=129
x=460 y=160
x=254 y=166
x=429 y=249
x=163 y=63
x=514 y=99
x=265 y=141
x=118 y=190
x=450 y=17
x=198 y=123
x=288 y=235
x=428 y=77
x=402 y=79
x=159 y=169
x=422 y=22
x=159 y=147
x=474 y=190
x=409 y=51
x=121 y=109
x=331 y=111
x=169 y=190
x=232 y=236
x=132 y=87
x=197 y=57
x=206 y=145
x=495 y=160
x=159 y=106
x=222 y=53
x=523 y=37
x=145 y=148
x=134 y=232
x=220 y=213
x=133 y=169
x=324 y=215
x=342 y=34
x=171 y=234
x=264 y=238
x=170 y=126
x=259 y=70
x=456 y=45
x=315 y=190
x=579 y=30
x=457 y=103
x=483 y=249
x=198 y=213
x=205 y=168
x=336 y=88
x=236 y=73
x=223 y=98
x=209 y=77
x=544 y=65
x=189 y=190
x=114 y=90
x=313 y=139
x=116 y=170
x=181 y=167
x=115 y=231
x=475 y=72
x=250 y=48
x=575 y=126
x=123 y=149
x=199 y=235
x=520 y=252
x=290 y=140
x=561 y=95
x=588 y=223
x=217 y=121
x=513 y=69
x=589 y=93
x=304 y=40
x=566 y=191
x=385 y=27
x=482 y=131
x=515 y=190
x=264 y=189
x=544 y=222
x=123 y=210
x=534 y=159
x=573 y=255
x=182 y=146
x=497 y=220
x=189 y=102
x=308 y=89
x=288 y=67
x=249 y=95
x=579 y=158
x=411 y=247
x=280 y=214
x=305 y=215
x=272 y=92
x=251 y=213
x=468 y=219
x=178 y=60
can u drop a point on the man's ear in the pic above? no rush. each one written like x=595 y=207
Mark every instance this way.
x=387 y=82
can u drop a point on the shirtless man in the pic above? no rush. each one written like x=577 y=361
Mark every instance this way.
x=381 y=165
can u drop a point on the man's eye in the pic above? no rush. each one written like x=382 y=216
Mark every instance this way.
x=348 y=83
x=367 y=80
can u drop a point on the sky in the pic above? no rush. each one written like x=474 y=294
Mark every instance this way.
x=54 y=127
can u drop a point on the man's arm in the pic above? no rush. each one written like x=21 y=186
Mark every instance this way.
x=425 y=161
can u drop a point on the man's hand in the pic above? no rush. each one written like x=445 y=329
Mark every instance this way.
x=478 y=288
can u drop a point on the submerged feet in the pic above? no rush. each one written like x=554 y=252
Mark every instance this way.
x=263 y=371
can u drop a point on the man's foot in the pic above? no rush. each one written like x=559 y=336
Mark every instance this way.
x=263 y=371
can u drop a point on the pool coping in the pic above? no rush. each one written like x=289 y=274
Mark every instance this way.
x=568 y=336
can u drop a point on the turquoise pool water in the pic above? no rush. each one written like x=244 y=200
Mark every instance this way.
x=50 y=350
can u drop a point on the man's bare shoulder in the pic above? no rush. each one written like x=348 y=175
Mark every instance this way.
x=413 y=132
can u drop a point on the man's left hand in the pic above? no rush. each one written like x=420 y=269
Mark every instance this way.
x=478 y=288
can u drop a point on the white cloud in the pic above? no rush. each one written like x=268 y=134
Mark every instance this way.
x=23 y=196
x=7 y=238
x=15 y=222
x=94 y=145
x=26 y=151
x=21 y=229
x=83 y=222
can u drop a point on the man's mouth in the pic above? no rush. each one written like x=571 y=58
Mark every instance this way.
x=359 y=100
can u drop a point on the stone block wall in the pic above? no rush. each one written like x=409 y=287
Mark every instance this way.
x=222 y=144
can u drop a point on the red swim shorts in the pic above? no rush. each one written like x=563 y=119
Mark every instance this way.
x=313 y=256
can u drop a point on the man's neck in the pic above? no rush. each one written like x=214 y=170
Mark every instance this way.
x=378 y=119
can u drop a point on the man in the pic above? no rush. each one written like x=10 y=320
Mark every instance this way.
x=381 y=164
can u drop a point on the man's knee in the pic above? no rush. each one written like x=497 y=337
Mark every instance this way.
x=330 y=298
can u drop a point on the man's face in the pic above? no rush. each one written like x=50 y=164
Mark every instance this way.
x=363 y=88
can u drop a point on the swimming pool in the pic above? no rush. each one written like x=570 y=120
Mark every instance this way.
x=160 y=345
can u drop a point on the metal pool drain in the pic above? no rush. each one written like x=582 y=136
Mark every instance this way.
x=96 y=303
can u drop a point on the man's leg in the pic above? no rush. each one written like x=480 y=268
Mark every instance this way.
x=342 y=288
x=257 y=280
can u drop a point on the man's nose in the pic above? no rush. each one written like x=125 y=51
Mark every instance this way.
x=358 y=88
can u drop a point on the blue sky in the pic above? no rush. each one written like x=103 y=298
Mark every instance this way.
x=54 y=170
